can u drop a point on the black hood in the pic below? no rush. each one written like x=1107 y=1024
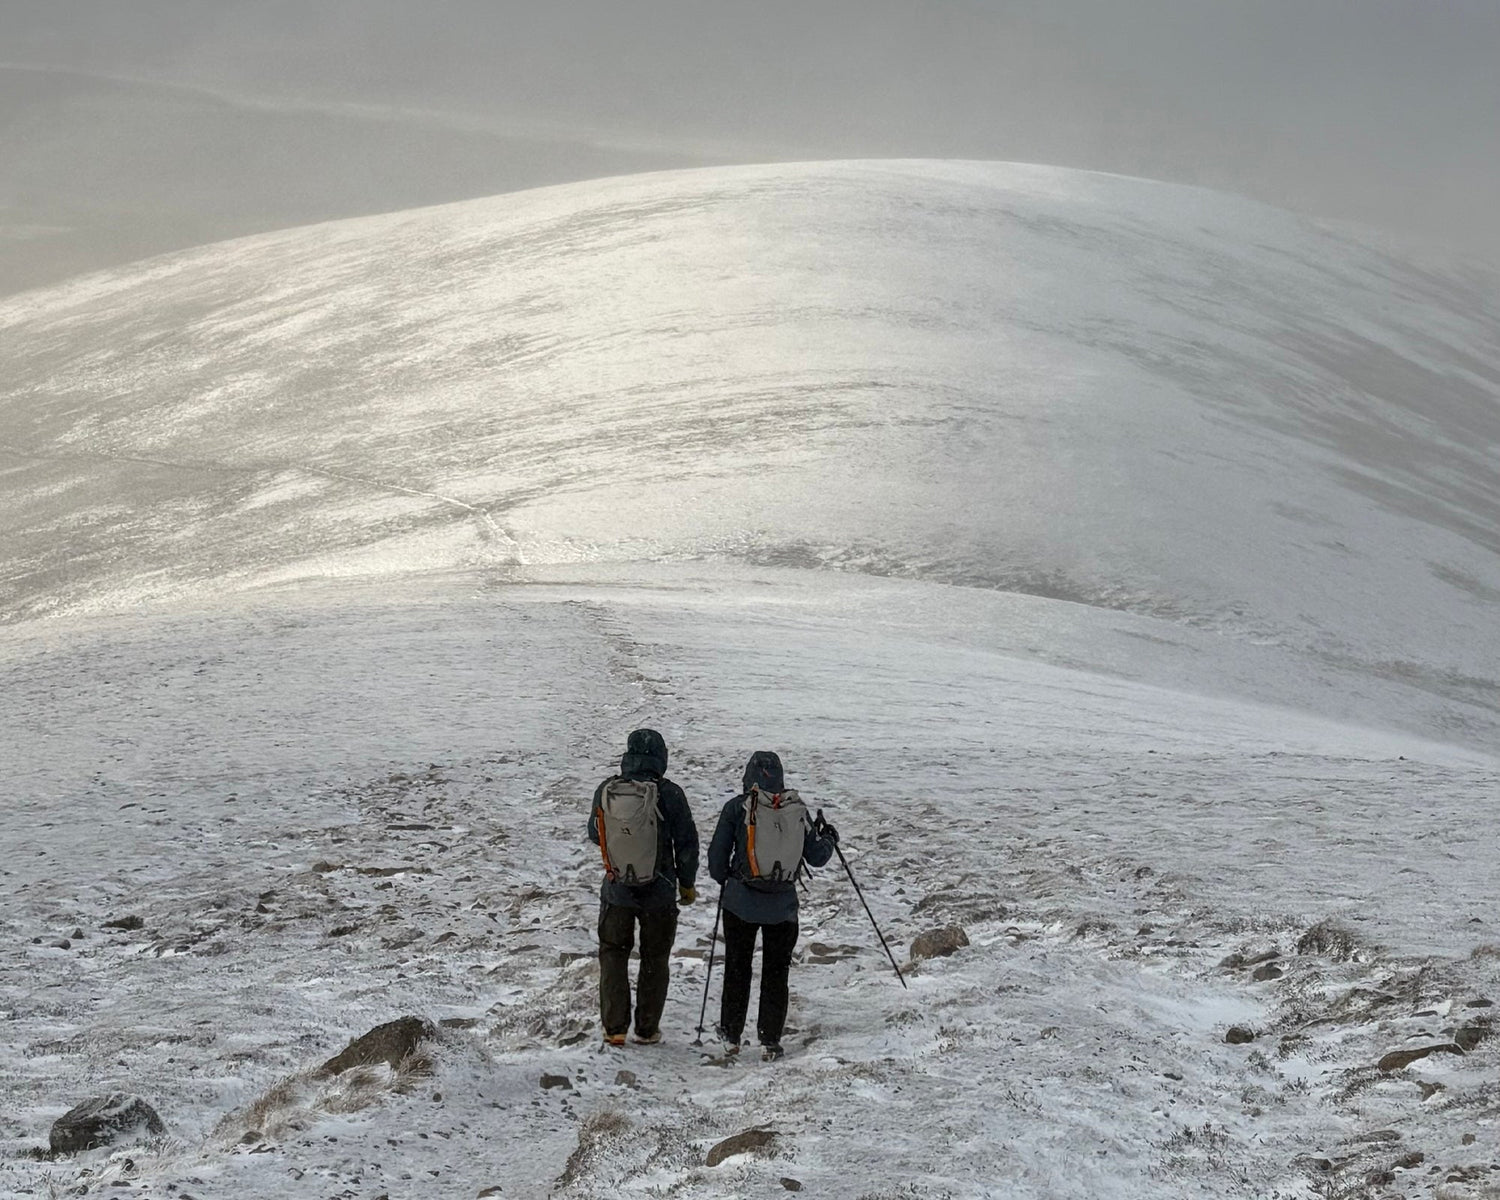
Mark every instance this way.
x=764 y=771
x=645 y=754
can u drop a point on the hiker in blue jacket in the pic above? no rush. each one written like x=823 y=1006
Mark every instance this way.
x=759 y=904
x=652 y=904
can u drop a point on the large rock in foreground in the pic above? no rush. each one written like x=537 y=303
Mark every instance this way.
x=103 y=1121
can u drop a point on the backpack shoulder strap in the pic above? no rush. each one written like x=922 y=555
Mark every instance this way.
x=599 y=824
x=752 y=804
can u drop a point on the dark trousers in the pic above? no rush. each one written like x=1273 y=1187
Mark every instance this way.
x=616 y=937
x=777 y=943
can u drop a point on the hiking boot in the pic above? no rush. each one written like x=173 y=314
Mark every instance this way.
x=772 y=1051
x=614 y=1039
x=647 y=1039
x=728 y=1044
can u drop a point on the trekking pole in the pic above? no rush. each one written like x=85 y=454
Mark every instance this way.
x=714 y=937
x=868 y=913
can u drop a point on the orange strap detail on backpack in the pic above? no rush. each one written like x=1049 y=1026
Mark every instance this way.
x=750 y=834
x=750 y=851
x=609 y=867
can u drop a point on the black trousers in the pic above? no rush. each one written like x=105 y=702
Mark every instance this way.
x=777 y=943
x=616 y=937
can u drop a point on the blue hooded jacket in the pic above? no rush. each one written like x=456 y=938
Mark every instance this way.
x=761 y=902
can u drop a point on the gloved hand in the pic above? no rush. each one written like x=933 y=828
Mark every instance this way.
x=687 y=895
x=829 y=832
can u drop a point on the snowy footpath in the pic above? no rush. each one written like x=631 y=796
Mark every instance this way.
x=236 y=840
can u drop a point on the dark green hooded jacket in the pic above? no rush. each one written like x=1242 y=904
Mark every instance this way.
x=645 y=757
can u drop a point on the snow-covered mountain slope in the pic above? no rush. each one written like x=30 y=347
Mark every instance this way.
x=1256 y=434
x=339 y=804
x=1115 y=563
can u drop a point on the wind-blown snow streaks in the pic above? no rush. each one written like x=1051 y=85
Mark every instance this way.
x=1127 y=395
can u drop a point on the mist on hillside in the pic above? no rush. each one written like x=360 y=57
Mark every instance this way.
x=132 y=128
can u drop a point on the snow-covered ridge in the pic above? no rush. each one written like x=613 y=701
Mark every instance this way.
x=1133 y=396
x=422 y=514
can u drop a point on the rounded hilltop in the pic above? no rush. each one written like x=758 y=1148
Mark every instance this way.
x=1098 y=389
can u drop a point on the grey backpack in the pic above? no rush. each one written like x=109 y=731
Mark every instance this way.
x=627 y=818
x=775 y=824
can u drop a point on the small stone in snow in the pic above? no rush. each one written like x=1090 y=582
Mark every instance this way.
x=938 y=943
x=745 y=1142
x=1467 y=1037
x=127 y=923
x=1238 y=1035
x=625 y=1078
x=557 y=1081
x=791 y=1185
x=1397 y=1059
x=1331 y=940
x=1265 y=972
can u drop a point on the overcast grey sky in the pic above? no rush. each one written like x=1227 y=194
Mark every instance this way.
x=1386 y=111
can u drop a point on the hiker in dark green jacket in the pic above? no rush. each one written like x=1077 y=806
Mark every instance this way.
x=651 y=903
x=751 y=905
